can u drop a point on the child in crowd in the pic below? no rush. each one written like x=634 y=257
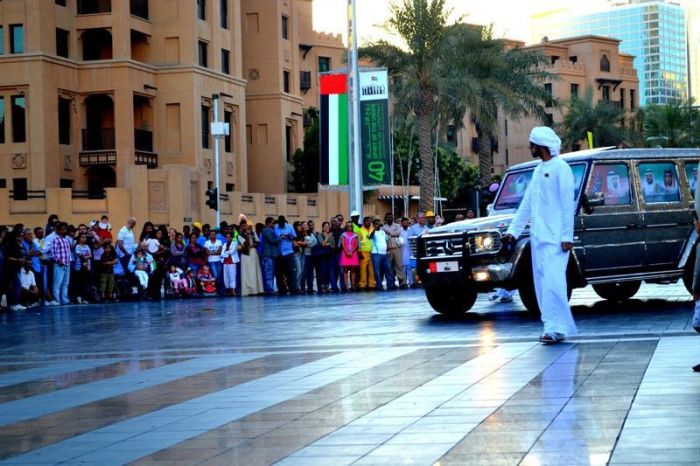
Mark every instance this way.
x=106 y=270
x=83 y=269
x=230 y=257
x=141 y=268
x=177 y=280
x=207 y=281
x=191 y=282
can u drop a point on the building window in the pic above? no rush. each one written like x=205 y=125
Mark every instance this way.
x=554 y=59
x=605 y=64
x=2 y=120
x=285 y=80
x=65 y=183
x=203 y=53
x=633 y=95
x=574 y=91
x=224 y=14
x=62 y=42
x=3 y=183
x=227 y=138
x=61 y=2
x=202 y=9
x=205 y=127
x=16 y=38
x=622 y=98
x=64 y=121
x=19 y=128
x=606 y=93
x=548 y=99
x=573 y=59
x=19 y=189
x=225 y=61
x=289 y=141
x=2 y=41
x=230 y=187
x=324 y=64
x=285 y=27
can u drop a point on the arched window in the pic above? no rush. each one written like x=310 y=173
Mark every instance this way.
x=605 y=64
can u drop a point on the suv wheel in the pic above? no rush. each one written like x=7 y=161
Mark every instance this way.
x=617 y=291
x=450 y=301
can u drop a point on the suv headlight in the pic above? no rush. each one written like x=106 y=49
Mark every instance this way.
x=485 y=243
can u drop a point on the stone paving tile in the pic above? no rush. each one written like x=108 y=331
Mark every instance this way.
x=47 y=430
x=363 y=384
x=614 y=383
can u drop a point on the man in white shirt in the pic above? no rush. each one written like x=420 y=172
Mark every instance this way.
x=548 y=204
x=125 y=242
x=406 y=252
x=29 y=292
x=380 y=256
x=214 y=246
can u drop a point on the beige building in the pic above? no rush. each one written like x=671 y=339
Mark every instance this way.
x=282 y=58
x=578 y=63
x=108 y=102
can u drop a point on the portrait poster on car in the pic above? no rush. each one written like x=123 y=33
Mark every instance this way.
x=334 y=129
x=374 y=124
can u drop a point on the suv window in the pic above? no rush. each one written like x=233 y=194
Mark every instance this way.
x=513 y=190
x=514 y=186
x=691 y=172
x=659 y=182
x=612 y=180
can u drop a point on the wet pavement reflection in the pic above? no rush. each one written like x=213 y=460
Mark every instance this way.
x=348 y=379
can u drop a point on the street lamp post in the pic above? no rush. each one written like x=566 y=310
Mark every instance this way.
x=219 y=130
x=354 y=73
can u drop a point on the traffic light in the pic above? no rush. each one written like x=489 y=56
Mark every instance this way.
x=213 y=199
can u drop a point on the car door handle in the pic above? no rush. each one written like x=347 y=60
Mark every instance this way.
x=632 y=226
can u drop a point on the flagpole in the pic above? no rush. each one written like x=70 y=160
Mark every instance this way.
x=354 y=70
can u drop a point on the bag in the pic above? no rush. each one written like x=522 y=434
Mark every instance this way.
x=696 y=317
x=400 y=241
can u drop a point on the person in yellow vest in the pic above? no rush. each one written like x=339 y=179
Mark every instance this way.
x=367 y=281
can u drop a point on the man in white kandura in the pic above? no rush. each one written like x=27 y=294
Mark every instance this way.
x=549 y=206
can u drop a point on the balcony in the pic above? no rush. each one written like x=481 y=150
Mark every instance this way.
x=91 y=7
x=143 y=140
x=143 y=145
x=139 y=8
x=98 y=139
x=98 y=148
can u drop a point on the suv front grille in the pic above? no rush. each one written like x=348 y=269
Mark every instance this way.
x=444 y=247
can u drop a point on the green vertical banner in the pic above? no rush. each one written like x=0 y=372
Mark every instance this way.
x=374 y=126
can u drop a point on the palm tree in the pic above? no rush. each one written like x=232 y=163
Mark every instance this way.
x=676 y=124
x=439 y=70
x=603 y=119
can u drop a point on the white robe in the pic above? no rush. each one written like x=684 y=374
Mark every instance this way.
x=549 y=205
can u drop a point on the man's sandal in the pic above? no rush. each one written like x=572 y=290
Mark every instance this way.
x=551 y=338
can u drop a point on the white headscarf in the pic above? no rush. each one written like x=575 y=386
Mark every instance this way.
x=545 y=136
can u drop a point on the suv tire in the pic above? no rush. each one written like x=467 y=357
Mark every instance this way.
x=451 y=301
x=619 y=291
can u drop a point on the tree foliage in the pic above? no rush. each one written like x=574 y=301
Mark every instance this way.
x=603 y=119
x=676 y=124
x=453 y=172
x=306 y=161
x=439 y=70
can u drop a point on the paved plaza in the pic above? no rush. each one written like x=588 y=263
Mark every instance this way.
x=366 y=378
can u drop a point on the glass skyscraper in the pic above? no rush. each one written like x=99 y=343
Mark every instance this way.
x=654 y=32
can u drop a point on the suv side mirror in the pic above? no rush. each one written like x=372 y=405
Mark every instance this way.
x=592 y=200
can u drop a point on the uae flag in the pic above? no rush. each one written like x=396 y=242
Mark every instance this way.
x=334 y=129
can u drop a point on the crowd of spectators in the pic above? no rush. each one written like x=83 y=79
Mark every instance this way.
x=61 y=264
